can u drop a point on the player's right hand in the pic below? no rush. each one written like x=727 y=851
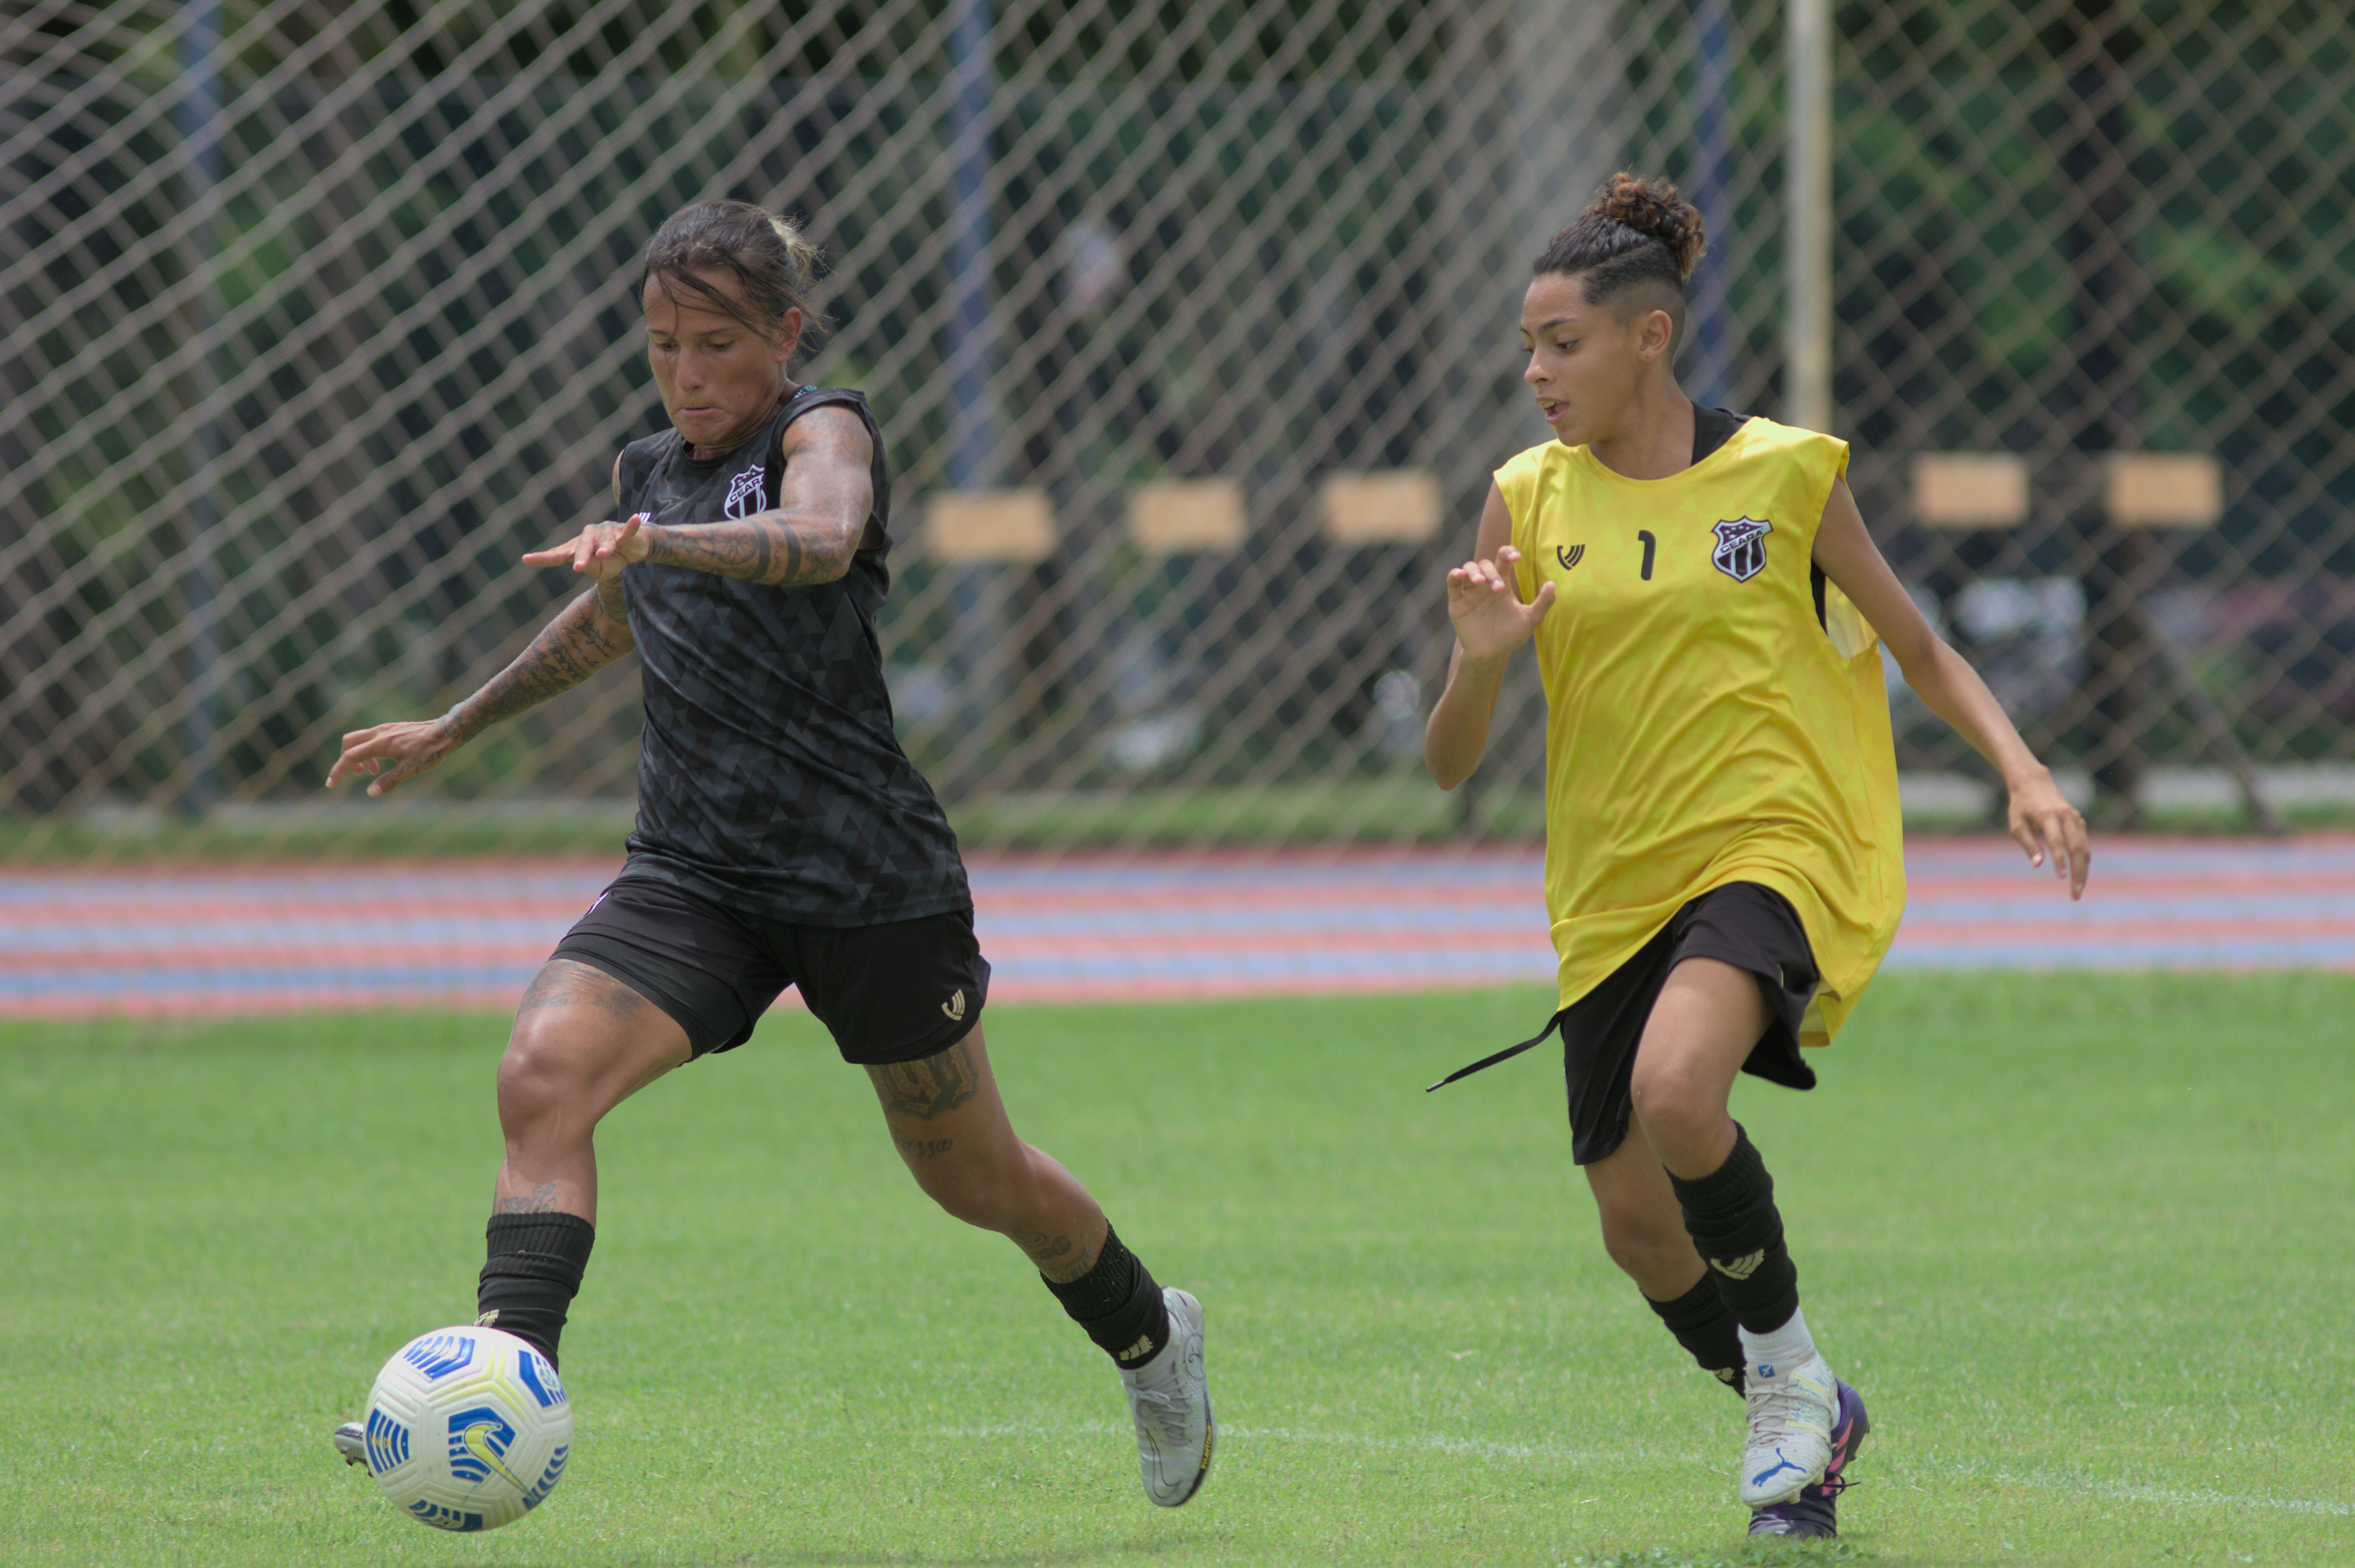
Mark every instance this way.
x=393 y=753
x=1483 y=602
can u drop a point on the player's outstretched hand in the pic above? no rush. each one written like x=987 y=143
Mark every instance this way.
x=2044 y=824
x=601 y=551
x=1484 y=600
x=392 y=753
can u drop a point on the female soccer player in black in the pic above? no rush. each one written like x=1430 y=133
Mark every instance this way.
x=1723 y=856
x=783 y=836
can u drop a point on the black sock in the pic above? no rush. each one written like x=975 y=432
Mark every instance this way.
x=1701 y=1324
x=535 y=1265
x=1118 y=1305
x=1730 y=1216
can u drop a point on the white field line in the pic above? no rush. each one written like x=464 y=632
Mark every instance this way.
x=2121 y=1491
x=2040 y=1481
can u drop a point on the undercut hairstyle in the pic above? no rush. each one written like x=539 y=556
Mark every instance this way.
x=1638 y=234
x=775 y=266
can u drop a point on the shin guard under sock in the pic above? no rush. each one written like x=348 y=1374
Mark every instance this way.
x=1702 y=1325
x=1117 y=1303
x=533 y=1267
x=1731 y=1217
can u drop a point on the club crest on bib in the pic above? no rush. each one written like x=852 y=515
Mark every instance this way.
x=1740 y=551
x=744 y=491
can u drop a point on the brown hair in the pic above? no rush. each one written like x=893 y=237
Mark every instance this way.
x=775 y=266
x=1634 y=232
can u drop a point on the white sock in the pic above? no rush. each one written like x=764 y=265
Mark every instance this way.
x=1772 y=1355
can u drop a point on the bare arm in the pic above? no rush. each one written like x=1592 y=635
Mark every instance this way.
x=1484 y=603
x=823 y=498
x=586 y=635
x=2042 y=822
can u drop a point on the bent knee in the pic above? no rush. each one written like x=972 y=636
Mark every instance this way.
x=980 y=1191
x=537 y=1073
x=1644 y=1247
x=1665 y=1096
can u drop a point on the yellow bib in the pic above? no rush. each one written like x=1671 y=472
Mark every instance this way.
x=1703 y=726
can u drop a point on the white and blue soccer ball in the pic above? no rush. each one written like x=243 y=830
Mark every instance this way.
x=467 y=1429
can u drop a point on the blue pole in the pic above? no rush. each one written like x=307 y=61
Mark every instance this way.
x=198 y=123
x=1710 y=303
x=977 y=593
x=972 y=452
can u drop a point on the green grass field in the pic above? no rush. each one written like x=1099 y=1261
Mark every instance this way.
x=2084 y=1243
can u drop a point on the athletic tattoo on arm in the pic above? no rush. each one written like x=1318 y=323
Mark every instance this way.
x=924 y=1148
x=588 y=634
x=931 y=1087
x=823 y=498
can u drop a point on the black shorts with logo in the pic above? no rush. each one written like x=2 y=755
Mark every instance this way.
x=895 y=992
x=1744 y=924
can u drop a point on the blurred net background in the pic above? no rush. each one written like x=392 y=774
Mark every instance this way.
x=317 y=316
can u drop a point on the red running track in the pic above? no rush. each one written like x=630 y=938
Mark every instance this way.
x=77 y=943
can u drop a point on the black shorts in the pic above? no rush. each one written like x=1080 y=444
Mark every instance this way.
x=887 y=993
x=1744 y=924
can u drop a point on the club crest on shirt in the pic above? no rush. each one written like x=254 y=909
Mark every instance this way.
x=1570 y=557
x=1740 y=551
x=744 y=491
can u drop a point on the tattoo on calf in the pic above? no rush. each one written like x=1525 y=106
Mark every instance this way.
x=1059 y=1258
x=930 y=1087
x=540 y=1199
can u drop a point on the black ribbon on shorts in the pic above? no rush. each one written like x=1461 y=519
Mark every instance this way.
x=1507 y=1054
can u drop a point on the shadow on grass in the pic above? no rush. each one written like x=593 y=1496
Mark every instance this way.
x=1770 y=1553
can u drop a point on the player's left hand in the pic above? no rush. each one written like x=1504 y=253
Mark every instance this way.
x=602 y=550
x=2043 y=823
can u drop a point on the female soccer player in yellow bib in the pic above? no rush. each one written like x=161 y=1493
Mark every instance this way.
x=1723 y=865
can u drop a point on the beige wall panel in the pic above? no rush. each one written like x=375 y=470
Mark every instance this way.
x=1188 y=518
x=1396 y=507
x=2164 y=490
x=979 y=525
x=1969 y=490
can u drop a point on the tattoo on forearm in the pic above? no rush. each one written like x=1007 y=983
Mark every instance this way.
x=563 y=983
x=540 y=1199
x=824 y=498
x=925 y=1148
x=575 y=645
x=931 y=1087
x=612 y=602
x=769 y=548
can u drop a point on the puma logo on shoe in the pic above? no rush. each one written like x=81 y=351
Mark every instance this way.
x=1780 y=1463
x=1741 y=1267
x=954 y=1007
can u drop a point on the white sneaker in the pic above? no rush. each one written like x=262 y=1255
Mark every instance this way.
x=1169 y=1399
x=351 y=1442
x=1791 y=1413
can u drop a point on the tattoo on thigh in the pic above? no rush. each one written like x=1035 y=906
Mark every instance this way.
x=931 y=1087
x=561 y=983
x=925 y=1148
x=540 y=1199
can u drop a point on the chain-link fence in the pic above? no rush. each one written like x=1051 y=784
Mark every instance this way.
x=1190 y=328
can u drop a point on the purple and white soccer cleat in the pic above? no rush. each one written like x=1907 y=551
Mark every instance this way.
x=1814 y=1514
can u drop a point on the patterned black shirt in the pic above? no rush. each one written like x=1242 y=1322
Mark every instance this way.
x=770 y=778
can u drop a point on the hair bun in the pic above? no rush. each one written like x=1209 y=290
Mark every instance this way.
x=1653 y=207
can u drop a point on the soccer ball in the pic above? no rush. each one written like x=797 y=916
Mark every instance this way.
x=467 y=1429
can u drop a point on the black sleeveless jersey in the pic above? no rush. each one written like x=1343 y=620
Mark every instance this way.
x=770 y=778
